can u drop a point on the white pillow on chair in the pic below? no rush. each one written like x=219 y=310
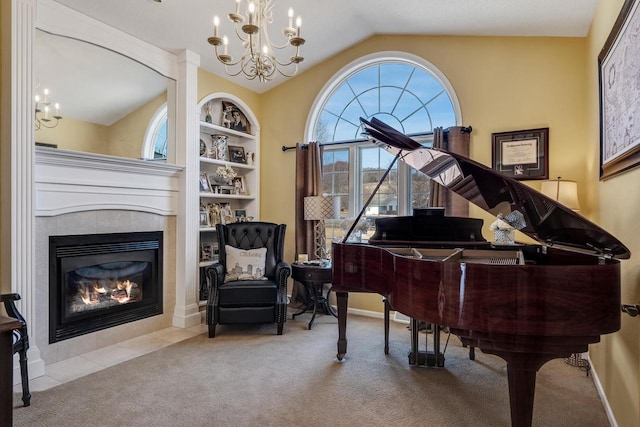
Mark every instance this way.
x=245 y=265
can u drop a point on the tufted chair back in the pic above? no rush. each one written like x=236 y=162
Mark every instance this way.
x=254 y=235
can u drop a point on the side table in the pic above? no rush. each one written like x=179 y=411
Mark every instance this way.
x=313 y=278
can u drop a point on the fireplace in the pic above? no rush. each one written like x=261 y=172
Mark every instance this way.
x=98 y=281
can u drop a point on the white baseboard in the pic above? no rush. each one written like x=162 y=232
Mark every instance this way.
x=603 y=396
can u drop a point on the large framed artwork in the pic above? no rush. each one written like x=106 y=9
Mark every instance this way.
x=619 y=80
x=522 y=154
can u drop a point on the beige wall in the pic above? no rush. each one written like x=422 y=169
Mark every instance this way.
x=76 y=135
x=502 y=84
x=617 y=357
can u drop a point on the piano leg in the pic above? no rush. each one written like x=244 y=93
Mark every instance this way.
x=522 y=369
x=342 y=298
x=387 y=308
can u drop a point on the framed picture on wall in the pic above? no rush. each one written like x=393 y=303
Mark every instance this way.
x=522 y=154
x=618 y=65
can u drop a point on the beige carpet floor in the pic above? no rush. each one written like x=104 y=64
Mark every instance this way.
x=249 y=376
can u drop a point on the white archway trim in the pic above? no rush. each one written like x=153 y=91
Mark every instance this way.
x=373 y=59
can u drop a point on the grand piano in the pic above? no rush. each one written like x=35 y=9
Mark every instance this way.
x=526 y=303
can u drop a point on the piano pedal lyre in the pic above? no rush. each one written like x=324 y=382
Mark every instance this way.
x=417 y=357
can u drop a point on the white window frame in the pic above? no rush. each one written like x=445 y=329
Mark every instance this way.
x=355 y=206
x=149 y=145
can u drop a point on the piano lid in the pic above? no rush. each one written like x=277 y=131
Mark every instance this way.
x=547 y=221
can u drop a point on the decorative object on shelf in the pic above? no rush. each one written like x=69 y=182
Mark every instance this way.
x=505 y=226
x=258 y=59
x=562 y=191
x=207 y=110
x=203 y=148
x=236 y=154
x=319 y=208
x=219 y=147
x=251 y=156
x=204 y=182
x=213 y=209
x=44 y=117
x=522 y=154
x=356 y=235
x=224 y=175
x=239 y=185
x=618 y=64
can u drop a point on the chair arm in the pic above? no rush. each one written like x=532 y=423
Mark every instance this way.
x=215 y=273
x=10 y=306
x=283 y=271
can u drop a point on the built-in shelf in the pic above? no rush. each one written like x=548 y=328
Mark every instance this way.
x=246 y=204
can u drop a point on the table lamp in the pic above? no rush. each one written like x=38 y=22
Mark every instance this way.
x=563 y=191
x=319 y=208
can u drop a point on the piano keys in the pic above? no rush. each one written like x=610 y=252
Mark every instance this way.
x=527 y=304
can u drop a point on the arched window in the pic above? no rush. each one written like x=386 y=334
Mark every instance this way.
x=406 y=92
x=155 y=138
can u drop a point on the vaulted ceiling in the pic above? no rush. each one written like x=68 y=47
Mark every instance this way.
x=330 y=26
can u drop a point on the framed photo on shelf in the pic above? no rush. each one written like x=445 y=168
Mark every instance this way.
x=236 y=154
x=204 y=182
x=206 y=251
x=618 y=64
x=204 y=219
x=233 y=118
x=522 y=154
x=239 y=185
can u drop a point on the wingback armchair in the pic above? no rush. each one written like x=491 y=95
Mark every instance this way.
x=253 y=291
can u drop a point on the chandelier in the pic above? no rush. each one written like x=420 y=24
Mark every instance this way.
x=44 y=116
x=258 y=59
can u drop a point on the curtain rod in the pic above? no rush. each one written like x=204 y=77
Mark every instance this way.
x=464 y=129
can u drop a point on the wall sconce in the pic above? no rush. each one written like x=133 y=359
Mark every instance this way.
x=319 y=208
x=562 y=191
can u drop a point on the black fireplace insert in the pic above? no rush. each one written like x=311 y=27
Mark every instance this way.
x=98 y=281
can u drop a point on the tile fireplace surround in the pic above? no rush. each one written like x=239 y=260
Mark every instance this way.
x=80 y=193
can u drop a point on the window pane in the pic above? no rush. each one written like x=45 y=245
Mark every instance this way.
x=375 y=163
x=335 y=182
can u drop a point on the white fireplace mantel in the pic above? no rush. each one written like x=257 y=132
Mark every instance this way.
x=70 y=181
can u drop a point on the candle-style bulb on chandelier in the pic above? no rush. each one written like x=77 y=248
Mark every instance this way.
x=47 y=113
x=258 y=59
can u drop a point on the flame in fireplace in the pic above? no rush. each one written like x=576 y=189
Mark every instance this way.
x=107 y=292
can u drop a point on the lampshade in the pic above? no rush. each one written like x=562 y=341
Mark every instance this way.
x=563 y=191
x=321 y=207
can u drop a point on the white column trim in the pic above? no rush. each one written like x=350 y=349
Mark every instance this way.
x=186 y=312
x=22 y=165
